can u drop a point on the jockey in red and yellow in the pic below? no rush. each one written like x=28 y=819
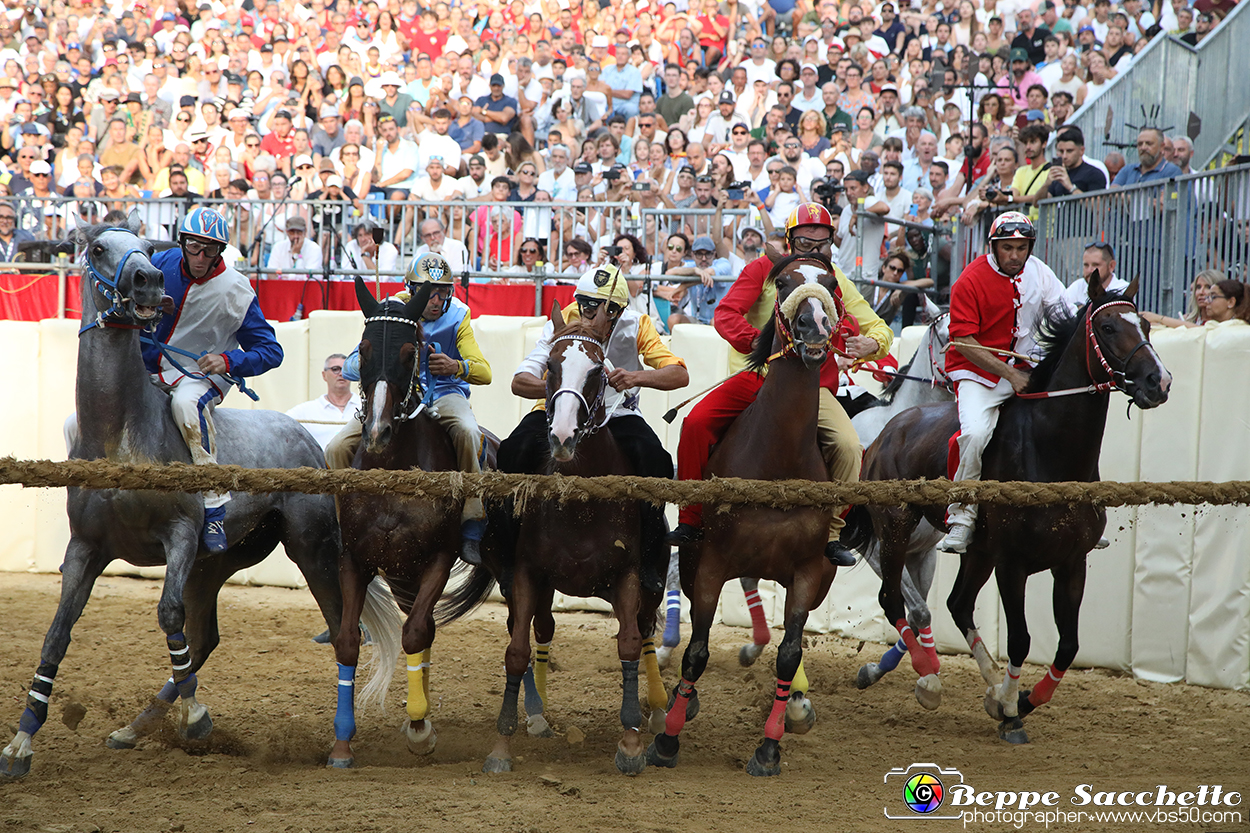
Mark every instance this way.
x=997 y=303
x=740 y=315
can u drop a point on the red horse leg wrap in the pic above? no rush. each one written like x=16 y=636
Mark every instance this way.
x=929 y=644
x=759 y=625
x=919 y=659
x=1045 y=689
x=704 y=425
x=776 y=725
x=676 y=718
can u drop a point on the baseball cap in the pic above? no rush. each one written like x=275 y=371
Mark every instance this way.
x=302 y=160
x=840 y=127
x=266 y=47
x=326 y=164
x=238 y=113
x=39 y=166
x=334 y=180
x=392 y=79
x=726 y=97
x=186 y=101
x=599 y=42
x=854 y=30
x=496 y=80
x=30 y=128
x=328 y=111
x=1085 y=29
x=434 y=159
x=198 y=136
x=169 y=17
x=890 y=87
x=806 y=67
x=703 y=244
x=858 y=176
x=744 y=229
x=296 y=222
x=1019 y=54
x=134 y=97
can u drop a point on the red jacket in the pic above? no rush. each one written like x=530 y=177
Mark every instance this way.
x=983 y=306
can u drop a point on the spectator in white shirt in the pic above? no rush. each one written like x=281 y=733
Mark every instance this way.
x=362 y=254
x=434 y=239
x=558 y=180
x=295 y=253
x=324 y=416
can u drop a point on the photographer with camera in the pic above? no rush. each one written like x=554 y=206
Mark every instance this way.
x=994 y=190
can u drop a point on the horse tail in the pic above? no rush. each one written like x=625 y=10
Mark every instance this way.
x=469 y=594
x=383 y=621
x=858 y=534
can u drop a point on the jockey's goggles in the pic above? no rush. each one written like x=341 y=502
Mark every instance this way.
x=200 y=247
x=589 y=306
x=803 y=245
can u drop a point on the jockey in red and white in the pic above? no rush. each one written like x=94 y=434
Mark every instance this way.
x=740 y=315
x=996 y=306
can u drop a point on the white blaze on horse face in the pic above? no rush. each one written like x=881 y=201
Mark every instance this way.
x=574 y=371
x=379 y=409
x=1165 y=378
x=819 y=317
x=810 y=272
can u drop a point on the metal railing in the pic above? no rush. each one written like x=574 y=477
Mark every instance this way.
x=1162 y=233
x=1208 y=81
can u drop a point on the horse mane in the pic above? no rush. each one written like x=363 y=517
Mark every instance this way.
x=758 y=356
x=1056 y=331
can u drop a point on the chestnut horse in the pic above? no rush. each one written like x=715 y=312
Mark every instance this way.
x=1052 y=432
x=414 y=541
x=580 y=549
x=773 y=439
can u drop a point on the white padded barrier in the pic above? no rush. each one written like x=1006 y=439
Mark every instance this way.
x=1219 y=607
x=58 y=359
x=19 y=436
x=1164 y=534
x=502 y=339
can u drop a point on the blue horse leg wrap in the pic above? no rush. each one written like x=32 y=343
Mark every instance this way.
x=179 y=656
x=672 y=619
x=168 y=692
x=36 y=713
x=186 y=688
x=533 y=702
x=890 y=659
x=345 y=715
x=30 y=722
x=473 y=530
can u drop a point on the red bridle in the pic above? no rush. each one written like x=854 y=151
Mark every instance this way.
x=1092 y=345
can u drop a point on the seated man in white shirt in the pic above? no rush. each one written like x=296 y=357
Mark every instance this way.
x=295 y=253
x=558 y=180
x=326 y=415
x=363 y=254
x=434 y=239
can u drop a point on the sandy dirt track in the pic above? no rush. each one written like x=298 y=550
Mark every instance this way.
x=271 y=694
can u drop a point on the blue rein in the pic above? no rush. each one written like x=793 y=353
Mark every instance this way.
x=108 y=318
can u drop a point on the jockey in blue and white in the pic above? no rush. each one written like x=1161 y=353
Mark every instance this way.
x=215 y=314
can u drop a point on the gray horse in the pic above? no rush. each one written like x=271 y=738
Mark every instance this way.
x=124 y=418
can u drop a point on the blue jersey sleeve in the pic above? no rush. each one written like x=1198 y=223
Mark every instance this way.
x=259 y=349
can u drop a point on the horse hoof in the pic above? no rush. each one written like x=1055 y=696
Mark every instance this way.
x=657 y=758
x=497 y=765
x=748 y=654
x=13 y=767
x=992 y=707
x=800 y=715
x=929 y=691
x=341 y=763
x=656 y=722
x=422 y=740
x=124 y=738
x=868 y=674
x=630 y=764
x=1012 y=731
x=538 y=727
x=759 y=769
x=663 y=655
x=692 y=705
x=191 y=727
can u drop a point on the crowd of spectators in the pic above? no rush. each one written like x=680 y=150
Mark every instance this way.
x=315 y=122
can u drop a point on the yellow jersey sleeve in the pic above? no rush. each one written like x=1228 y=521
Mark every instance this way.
x=476 y=370
x=651 y=348
x=870 y=324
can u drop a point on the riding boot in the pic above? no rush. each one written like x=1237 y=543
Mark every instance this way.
x=684 y=534
x=471 y=532
x=213 y=535
x=840 y=554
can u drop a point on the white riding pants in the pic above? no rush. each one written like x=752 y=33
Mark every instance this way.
x=978 y=415
x=191 y=402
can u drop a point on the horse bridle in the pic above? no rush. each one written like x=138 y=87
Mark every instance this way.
x=1116 y=379
x=407 y=408
x=789 y=344
x=109 y=289
x=591 y=407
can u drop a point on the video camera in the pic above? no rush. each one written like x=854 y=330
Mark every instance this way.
x=827 y=192
x=737 y=190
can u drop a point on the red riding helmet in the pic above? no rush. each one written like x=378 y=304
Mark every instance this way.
x=808 y=214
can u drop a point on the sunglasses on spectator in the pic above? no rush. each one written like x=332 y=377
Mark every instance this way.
x=529 y=251
x=198 y=247
x=528 y=171
x=39 y=174
x=252 y=144
x=1106 y=247
x=677 y=248
x=739 y=132
x=184 y=118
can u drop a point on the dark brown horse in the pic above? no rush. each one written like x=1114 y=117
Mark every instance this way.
x=773 y=439
x=581 y=549
x=1045 y=435
x=414 y=542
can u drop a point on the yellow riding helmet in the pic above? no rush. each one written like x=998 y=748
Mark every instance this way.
x=604 y=283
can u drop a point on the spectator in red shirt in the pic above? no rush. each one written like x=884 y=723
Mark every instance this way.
x=715 y=29
x=280 y=143
x=428 y=37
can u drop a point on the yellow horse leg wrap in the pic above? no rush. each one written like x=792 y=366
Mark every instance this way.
x=419 y=685
x=541 y=653
x=656 y=698
x=800 y=683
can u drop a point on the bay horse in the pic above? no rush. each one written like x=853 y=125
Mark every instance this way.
x=922 y=379
x=415 y=542
x=772 y=439
x=123 y=417
x=1052 y=432
x=580 y=549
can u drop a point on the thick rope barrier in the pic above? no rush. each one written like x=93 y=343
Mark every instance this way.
x=721 y=492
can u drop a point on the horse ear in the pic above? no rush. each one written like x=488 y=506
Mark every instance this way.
x=774 y=254
x=134 y=221
x=557 y=317
x=368 y=304
x=1094 y=281
x=416 y=304
x=1130 y=292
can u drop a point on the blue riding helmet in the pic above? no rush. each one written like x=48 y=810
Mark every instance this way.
x=205 y=223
